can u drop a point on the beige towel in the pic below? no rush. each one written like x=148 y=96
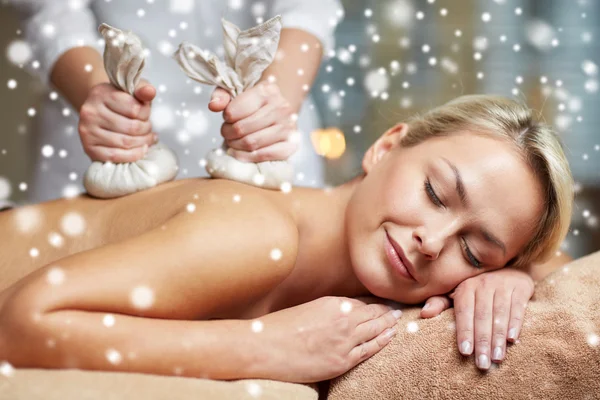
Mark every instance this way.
x=38 y=384
x=557 y=356
x=247 y=54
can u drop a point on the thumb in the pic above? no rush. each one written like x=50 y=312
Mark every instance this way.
x=434 y=306
x=145 y=92
x=219 y=100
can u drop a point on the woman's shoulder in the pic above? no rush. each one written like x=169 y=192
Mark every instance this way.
x=240 y=196
x=253 y=214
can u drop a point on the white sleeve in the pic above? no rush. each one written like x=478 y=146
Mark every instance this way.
x=318 y=17
x=53 y=27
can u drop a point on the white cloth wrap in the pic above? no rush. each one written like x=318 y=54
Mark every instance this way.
x=247 y=54
x=124 y=61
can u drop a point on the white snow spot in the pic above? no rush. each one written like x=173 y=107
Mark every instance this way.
x=142 y=297
x=412 y=327
x=6 y=369
x=72 y=224
x=108 y=320
x=276 y=254
x=18 y=52
x=346 y=307
x=113 y=356
x=27 y=219
x=257 y=326
x=254 y=389
x=55 y=276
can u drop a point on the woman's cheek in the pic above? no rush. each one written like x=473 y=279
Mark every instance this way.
x=451 y=281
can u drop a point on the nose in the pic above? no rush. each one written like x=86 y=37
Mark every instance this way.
x=433 y=234
x=429 y=244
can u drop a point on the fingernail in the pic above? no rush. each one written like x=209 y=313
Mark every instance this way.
x=426 y=306
x=465 y=347
x=512 y=333
x=483 y=361
x=397 y=314
x=155 y=138
x=229 y=152
x=145 y=149
x=389 y=333
x=497 y=353
x=214 y=98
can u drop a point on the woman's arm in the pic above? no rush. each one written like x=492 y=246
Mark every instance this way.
x=120 y=307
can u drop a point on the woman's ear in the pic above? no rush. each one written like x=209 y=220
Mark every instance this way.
x=389 y=140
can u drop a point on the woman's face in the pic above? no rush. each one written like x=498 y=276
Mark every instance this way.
x=451 y=207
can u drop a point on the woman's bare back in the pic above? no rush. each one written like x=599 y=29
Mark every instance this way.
x=43 y=233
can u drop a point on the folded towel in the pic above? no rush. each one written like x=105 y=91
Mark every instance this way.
x=41 y=384
x=247 y=54
x=124 y=62
x=557 y=356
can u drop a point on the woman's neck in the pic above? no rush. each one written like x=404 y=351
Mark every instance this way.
x=323 y=266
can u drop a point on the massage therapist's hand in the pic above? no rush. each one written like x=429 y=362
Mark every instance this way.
x=115 y=126
x=489 y=308
x=259 y=123
x=324 y=338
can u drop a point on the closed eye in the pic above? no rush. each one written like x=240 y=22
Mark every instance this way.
x=431 y=194
x=470 y=257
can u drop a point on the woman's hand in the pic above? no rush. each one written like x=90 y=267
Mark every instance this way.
x=324 y=338
x=489 y=308
x=259 y=123
x=115 y=126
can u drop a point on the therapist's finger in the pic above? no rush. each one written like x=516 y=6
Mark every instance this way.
x=102 y=137
x=263 y=138
x=122 y=103
x=117 y=123
x=249 y=102
x=131 y=109
x=145 y=92
x=276 y=152
x=144 y=112
x=116 y=155
x=268 y=115
x=219 y=99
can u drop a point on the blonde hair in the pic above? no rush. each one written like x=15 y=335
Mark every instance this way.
x=538 y=144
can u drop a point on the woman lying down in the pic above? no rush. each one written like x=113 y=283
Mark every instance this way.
x=216 y=279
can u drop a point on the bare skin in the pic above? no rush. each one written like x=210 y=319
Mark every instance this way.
x=152 y=265
x=201 y=278
x=144 y=211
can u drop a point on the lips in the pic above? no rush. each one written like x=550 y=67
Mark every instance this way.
x=398 y=259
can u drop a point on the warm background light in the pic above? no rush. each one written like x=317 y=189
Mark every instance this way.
x=329 y=142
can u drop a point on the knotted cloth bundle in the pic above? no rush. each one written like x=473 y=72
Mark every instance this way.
x=124 y=62
x=247 y=54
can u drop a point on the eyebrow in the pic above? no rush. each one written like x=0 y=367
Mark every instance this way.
x=464 y=199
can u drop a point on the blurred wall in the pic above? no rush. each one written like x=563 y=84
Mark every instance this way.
x=14 y=103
